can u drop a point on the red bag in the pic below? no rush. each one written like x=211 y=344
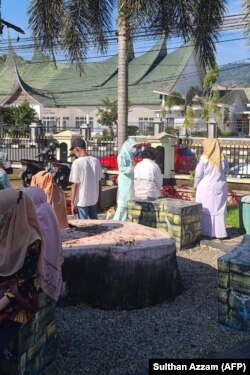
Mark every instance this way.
x=29 y=304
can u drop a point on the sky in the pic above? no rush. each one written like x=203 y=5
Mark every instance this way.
x=15 y=11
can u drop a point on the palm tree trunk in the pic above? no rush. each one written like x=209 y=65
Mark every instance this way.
x=122 y=99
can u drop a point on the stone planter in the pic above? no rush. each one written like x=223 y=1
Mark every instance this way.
x=117 y=265
x=182 y=219
x=234 y=287
x=34 y=344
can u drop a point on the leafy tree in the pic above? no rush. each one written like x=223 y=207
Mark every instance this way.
x=210 y=107
x=210 y=78
x=189 y=119
x=175 y=98
x=70 y=23
x=5 y=116
x=149 y=130
x=18 y=118
x=108 y=115
x=133 y=130
x=105 y=136
x=211 y=98
x=193 y=90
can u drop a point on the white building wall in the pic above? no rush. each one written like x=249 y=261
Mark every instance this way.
x=37 y=108
x=136 y=112
x=71 y=113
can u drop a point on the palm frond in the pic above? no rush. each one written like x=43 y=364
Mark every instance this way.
x=100 y=21
x=246 y=7
x=46 y=19
x=208 y=18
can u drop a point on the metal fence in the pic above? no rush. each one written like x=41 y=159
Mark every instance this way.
x=238 y=157
x=102 y=148
x=17 y=148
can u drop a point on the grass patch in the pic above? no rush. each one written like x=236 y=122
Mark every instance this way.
x=232 y=218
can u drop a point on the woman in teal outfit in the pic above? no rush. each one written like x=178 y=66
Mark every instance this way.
x=126 y=178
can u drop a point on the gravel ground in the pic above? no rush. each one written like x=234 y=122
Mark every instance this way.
x=94 y=341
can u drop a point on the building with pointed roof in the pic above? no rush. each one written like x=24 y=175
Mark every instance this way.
x=63 y=97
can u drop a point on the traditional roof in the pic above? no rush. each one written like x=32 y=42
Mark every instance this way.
x=62 y=85
x=230 y=97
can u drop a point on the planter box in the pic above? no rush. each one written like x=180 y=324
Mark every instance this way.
x=34 y=342
x=180 y=218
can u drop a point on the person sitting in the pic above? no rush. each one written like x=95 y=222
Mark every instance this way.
x=55 y=195
x=50 y=274
x=147 y=176
x=20 y=250
x=4 y=180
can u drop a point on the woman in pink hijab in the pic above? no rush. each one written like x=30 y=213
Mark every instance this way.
x=50 y=263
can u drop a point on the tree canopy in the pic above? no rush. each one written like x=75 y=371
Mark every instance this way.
x=17 y=119
x=75 y=25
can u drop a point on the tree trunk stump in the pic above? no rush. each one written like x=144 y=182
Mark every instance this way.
x=118 y=265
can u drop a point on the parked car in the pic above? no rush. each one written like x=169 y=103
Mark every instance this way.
x=240 y=170
x=184 y=160
x=238 y=134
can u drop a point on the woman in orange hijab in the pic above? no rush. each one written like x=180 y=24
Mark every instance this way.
x=211 y=189
x=55 y=195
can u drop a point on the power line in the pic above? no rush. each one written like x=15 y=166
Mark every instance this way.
x=230 y=21
x=98 y=57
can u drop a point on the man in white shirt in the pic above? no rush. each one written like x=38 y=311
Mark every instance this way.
x=147 y=176
x=85 y=175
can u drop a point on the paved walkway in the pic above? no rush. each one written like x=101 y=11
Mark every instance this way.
x=242 y=349
x=225 y=245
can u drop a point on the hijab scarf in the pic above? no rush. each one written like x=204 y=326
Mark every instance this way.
x=55 y=195
x=212 y=151
x=125 y=157
x=50 y=264
x=19 y=228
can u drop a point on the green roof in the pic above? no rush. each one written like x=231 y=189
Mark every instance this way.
x=62 y=85
x=230 y=97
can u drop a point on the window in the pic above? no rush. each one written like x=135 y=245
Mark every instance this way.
x=146 y=123
x=91 y=122
x=79 y=121
x=65 y=122
x=83 y=121
x=48 y=123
